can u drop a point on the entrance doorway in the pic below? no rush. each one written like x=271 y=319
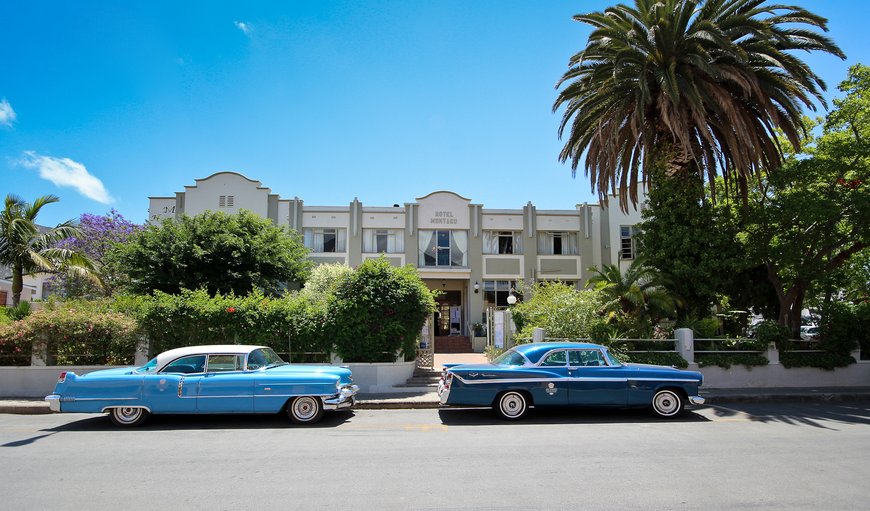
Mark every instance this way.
x=449 y=314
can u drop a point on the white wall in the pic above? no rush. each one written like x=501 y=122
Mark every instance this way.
x=247 y=193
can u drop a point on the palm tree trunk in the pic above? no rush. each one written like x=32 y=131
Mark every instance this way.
x=17 y=284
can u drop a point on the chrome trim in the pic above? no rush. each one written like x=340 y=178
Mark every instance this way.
x=697 y=400
x=71 y=399
x=53 y=401
x=107 y=408
x=569 y=379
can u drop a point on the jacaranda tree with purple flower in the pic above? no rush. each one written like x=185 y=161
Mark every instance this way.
x=98 y=236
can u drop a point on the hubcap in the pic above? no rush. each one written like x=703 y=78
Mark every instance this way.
x=666 y=403
x=127 y=414
x=512 y=405
x=304 y=408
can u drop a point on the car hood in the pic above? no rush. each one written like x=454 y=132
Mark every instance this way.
x=473 y=367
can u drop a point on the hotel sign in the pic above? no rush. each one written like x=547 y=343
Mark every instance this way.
x=443 y=210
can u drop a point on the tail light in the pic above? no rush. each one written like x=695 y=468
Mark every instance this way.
x=447 y=377
x=62 y=377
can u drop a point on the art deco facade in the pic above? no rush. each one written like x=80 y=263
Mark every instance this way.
x=474 y=255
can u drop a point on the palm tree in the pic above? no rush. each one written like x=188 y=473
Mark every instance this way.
x=640 y=292
x=686 y=87
x=27 y=250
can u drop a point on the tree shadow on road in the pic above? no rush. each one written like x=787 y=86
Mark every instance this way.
x=817 y=414
x=487 y=417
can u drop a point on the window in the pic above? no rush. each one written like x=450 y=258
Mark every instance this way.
x=225 y=201
x=580 y=358
x=443 y=248
x=502 y=242
x=186 y=365
x=325 y=240
x=557 y=243
x=556 y=359
x=626 y=241
x=496 y=292
x=383 y=241
x=224 y=363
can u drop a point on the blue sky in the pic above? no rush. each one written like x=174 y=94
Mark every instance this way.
x=107 y=103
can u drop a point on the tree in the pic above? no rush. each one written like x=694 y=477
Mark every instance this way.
x=640 y=292
x=27 y=249
x=692 y=241
x=378 y=312
x=811 y=217
x=98 y=235
x=688 y=86
x=220 y=252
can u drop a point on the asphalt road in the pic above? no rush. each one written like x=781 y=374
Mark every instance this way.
x=749 y=456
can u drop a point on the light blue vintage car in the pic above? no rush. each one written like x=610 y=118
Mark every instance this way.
x=567 y=374
x=207 y=379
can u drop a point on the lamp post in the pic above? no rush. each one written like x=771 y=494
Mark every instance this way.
x=512 y=298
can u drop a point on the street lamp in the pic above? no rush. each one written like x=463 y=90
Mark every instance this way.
x=512 y=298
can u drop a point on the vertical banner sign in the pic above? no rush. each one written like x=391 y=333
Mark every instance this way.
x=499 y=329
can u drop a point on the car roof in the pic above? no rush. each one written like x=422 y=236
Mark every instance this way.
x=235 y=349
x=534 y=351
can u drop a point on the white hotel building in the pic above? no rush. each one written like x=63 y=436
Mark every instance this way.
x=474 y=255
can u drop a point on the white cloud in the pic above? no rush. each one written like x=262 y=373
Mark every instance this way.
x=66 y=172
x=244 y=27
x=7 y=114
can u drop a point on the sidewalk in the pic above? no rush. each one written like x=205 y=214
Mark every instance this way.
x=422 y=400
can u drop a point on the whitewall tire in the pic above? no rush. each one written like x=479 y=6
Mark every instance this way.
x=512 y=405
x=667 y=403
x=305 y=410
x=128 y=416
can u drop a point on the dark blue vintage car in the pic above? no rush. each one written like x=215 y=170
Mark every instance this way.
x=205 y=380
x=567 y=374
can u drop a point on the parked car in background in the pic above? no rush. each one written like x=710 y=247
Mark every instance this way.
x=204 y=380
x=809 y=332
x=567 y=374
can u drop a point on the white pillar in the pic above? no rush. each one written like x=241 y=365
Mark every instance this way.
x=685 y=343
x=538 y=335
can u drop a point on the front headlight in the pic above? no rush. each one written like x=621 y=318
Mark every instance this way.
x=338 y=385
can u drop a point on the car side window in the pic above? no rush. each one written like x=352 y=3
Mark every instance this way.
x=186 y=365
x=224 y=363
x=557 y=358
x=580 y=358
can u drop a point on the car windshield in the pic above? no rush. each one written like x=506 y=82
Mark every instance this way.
x=264 y=357
x=612 y=359
x=150 y=367
x=510 y=358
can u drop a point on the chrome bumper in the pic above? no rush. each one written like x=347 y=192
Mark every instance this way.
x=443 y=393
x=53 y=401
x=344 y=399
x=696 y=400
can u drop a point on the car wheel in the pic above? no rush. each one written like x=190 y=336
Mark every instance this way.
x=128 y=416
x=667 y=403
x=512 y=405
x=305 y=410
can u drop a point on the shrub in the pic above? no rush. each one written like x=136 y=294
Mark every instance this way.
x=73 y=336
x=768 y=332
x=726 y=360
x=378 y=312
x=662 y=359
x=561 y=310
